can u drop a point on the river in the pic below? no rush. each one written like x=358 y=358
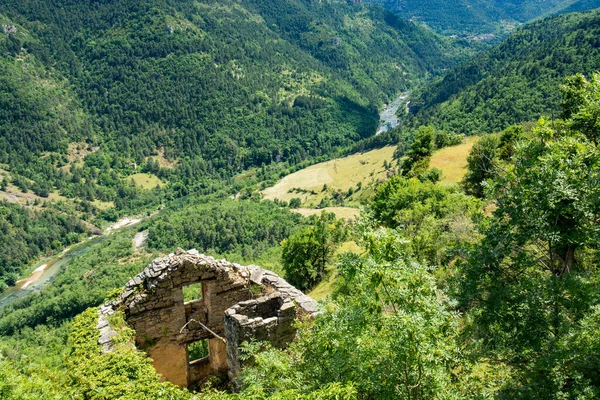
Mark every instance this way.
x=387 y=118
x=49 y=269
x=46 y=272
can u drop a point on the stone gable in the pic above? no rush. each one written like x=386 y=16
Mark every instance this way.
x=237 y=303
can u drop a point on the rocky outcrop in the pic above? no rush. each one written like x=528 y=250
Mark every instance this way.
x=8 y=29
x=237 y=303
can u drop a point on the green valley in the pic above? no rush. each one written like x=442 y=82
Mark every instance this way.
x=517 y=81
x=481 y=20
x=117 y=107
x=212 y=199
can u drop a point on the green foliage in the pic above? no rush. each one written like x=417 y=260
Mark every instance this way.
x=532 y=279
x=581 y=105
x=26 y=234
x=433 y=219
x=445 y=139
x=38 y=113
x=432 y=175
x=514 y=82
x=274 y=376
x=247 y=229
x=509 y=139
x=389 y=331
x=416 y=160
x=33 y=364
x=198 y=350
x=192 y=292
x=295 y=202
x=125 y=373
x=481 y=164
x=387 y=334
x=306 y=253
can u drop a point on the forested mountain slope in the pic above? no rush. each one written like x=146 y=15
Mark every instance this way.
x=482 y=16
x=219 y=84
x=575 y=6
x=209 y=87
x=515 y=81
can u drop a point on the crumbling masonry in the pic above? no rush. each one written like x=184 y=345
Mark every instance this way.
x=237 y=303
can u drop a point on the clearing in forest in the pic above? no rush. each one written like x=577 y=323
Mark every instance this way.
x=453 y=161
x=340 y=174
x=347 y=213
x=323 y=180
x=145 y=181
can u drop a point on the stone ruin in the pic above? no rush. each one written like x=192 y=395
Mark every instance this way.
x=237 y=304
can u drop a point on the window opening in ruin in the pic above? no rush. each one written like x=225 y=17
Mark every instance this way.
x=198 y=350
x=192 y=292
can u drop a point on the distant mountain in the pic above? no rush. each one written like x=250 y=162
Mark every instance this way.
x=93 y=92
x=575 y=6
x=481 y=16
x=219 y=85
x=515 y=81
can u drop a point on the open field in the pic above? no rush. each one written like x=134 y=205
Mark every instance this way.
x=320 y=181
x=339 y=174
x=103 y=205
x=453 y=161
x=146 y=181
x=162 y=161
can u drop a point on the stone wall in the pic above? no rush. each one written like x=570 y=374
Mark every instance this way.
x=267 y=319
x=256 y=303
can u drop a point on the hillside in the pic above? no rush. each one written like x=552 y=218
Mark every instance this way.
x=242 y=85
x=514 y=82
x=574 y=6
x=339 y=179
x=342 y=183
x=452 y=161
x=114 y=107
x=179 y=177
x=474 y=18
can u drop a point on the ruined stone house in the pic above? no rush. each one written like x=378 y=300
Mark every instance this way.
x=234 y=303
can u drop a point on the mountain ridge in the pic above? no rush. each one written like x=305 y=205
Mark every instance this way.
x=481 y=17
x=516 y=81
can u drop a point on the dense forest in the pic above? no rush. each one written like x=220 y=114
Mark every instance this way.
x=218 y=86
x=516 y=81
x=180 y=113
x=450 y=298
x=190 y=93
x=474 y=18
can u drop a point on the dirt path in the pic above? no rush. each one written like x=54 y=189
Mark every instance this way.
x=139 y=240
x=122 y=223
